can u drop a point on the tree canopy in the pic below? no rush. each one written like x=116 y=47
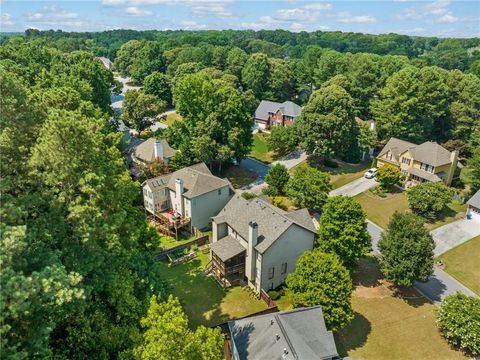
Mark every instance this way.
x=308 y=187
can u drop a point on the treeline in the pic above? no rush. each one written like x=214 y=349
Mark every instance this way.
x=446 y=53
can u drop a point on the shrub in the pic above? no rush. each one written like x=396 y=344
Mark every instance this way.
x=277 y=178
x=248 y=195
x=458 y=318
x=429 y=199
x=388 y=175
x=330 y=163
x=278 y=202
x=274 y=295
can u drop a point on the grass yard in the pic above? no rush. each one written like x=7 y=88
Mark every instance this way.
x=455 y=210
x=379 y=210
x=389 y=324
x=171 y=118
x=239 y=177
x=259 y=149
x=169 y=242
x=204 y=300
x=462 y=263
x=344 y=173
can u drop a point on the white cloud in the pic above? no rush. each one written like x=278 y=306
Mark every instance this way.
x=297 y=14
x=135 y=11
x=52 y=13
x=6 y=20
x=346 y=17
x=416 y=30
x=318 y=6
x=447 y=18
x=297 y=27
x=192 y=25
x=113 y=2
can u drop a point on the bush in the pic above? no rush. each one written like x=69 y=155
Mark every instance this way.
x=429 y=199
x=248 y=195
x=278 y=202
x=274 y=295
x=388 y=175
x=458 y=318
x=330 y=163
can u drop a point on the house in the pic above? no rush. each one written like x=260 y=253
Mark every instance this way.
x=191 y=194
x=152 y=150
x=418 y=163
x=258 y=242
x=270 y=113
x=106 y=62
x=287 y=335
x=372 y=126
x=473 y=210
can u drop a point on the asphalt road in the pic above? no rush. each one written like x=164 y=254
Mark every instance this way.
x=375 y=232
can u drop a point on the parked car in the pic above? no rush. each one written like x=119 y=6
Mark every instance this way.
x=370 y=174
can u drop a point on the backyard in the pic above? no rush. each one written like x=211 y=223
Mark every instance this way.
x=462 y=263
x=259 y=149
x=204 y=300
x=390 y=324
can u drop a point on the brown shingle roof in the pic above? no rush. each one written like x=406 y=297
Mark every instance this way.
x=145 y=151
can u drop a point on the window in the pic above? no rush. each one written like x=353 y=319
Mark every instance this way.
x=427 y=167
x=389 y=155
x=194 y=202
x=219 y=191
x=284 y=268
x=404 y=172
x=271 y=272
x=271 y=286
x=406 y=160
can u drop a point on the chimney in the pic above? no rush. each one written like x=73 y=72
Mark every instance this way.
x=178 y=196
x=453 y=167
x=252 y=256
x=158 y=150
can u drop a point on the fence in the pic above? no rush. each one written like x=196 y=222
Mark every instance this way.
x=268 y=300
x=162 y=255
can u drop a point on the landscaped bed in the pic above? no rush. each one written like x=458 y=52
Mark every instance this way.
x=390 y=324
x=462 y=262
x=205 y=301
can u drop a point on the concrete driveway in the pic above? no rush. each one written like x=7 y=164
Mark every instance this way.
x=451 y=235
x=354 y=188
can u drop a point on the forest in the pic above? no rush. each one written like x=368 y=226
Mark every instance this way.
x=77 y=275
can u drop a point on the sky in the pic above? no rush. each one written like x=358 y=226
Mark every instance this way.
x=441 y=18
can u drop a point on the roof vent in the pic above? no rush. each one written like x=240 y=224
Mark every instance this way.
x=285 y=353
x=277 y=337
x=272 y=322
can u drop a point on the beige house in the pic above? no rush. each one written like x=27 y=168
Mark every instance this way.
x=418 y=163
x=473 y=210
x=190 y=194
x=258 y=242
x=152 y=150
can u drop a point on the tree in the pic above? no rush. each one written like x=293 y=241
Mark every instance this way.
x=327 y=126
x=235 y=61
x=282 y=140
x=138 y=107
x=308 y=187
x=458 y=318
x=366 y=139
x=343 y=230
x=429 y=199
x=331 y=63
x=474 y=164
x=158 y=84
x=321 y=279
x=277 y=178
x=167 y=336
x=388 y=175
x=406 y=249
x=282 y=83
x=256 y=74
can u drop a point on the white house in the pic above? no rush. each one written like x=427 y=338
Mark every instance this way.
x=152 y=150
x=190 y=193
x=473 y=210
x=258 y=242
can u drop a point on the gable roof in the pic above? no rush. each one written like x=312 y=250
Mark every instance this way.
x=288 y=335
x=288 y=108
x=272 y=221
x=428 y=152
x=475 y=200
x=197 y=180
x=146 y=150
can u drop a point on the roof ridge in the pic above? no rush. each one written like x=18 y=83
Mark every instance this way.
x=285 y=335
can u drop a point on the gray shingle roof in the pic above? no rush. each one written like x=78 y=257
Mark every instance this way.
x=227 y=247
x=429 y=152
x=424 y=174
x=197 y=180
x=272 y=221
x=475 y=200
x=287 y=107
x=301 y=332
x=145 y=151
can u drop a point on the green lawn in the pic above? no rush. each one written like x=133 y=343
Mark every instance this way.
x=171 y=118
x=169 y=242
x=389 y=324
x=455 y=210
x=379 y=210
x=462 y=263
x=204 y=300
x=259 y=149
x=238 y=176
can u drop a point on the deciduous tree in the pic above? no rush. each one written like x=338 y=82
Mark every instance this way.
x=429 y=199
x=139 y=109
x=277 y=178
x=308 y=187
x=388 y=175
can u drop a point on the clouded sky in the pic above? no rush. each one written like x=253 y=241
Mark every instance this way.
x=438 y=18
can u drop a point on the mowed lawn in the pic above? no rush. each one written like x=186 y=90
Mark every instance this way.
x=379 y=210
x=171 y=118
x=390 y=324
x=259 y=149
x=204 y=300
x=454 y=211
x=462 y=262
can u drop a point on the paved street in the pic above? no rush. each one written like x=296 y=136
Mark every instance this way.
x=354 y=188
x=440 y=285
x=293 y=159
x=375 y=232
x=448 y=236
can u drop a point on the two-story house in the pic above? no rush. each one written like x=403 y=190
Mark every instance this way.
x=418 y=163
x=270 y=113
x=190 y=193
x=258 y=242
x=152 y=150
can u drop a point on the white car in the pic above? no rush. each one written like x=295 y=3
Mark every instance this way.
x=370 y=174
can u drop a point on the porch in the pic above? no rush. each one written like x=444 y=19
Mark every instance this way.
x=228 y=261
x=169 y=223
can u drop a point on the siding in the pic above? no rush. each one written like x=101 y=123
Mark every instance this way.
x=208 y=205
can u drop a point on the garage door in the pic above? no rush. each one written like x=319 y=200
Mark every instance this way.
x=475 y=213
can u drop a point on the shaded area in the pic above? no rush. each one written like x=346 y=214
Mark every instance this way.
x=353 y=336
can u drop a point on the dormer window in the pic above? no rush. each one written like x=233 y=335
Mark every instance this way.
x=427 y=168
x=389 y=155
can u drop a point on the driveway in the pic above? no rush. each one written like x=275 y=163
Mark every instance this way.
x=451 y=235
x=375 y=232
x=439 y=285
x=291 y=160
x=354 y=188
